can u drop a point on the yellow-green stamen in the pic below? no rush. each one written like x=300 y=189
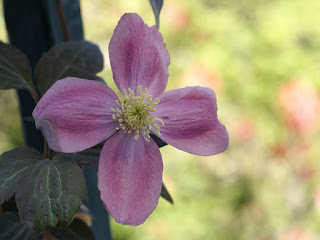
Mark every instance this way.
x=134 y=113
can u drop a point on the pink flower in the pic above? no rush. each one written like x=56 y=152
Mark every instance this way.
x=301 y=104
x=76 y=114
x=296 y=234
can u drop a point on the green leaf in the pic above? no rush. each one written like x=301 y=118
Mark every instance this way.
x=12 y=165
x=15 y=71
x=49 y=194
x=156 y=7
x=89 y=157
x=11 y=228
x=165 y=194
x=75 y=58
x=77 y=230
x=160 y=143
x=9 y=205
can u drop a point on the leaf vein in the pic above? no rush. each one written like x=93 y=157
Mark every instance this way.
x=71 y=62
x=49 y=199
x=7 y=179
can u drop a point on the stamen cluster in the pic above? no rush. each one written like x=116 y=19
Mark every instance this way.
x=134 y=112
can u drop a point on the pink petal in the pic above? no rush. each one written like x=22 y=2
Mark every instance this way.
x=75 y=114
x=190 y=121
x=129 y=177
x=138 y=56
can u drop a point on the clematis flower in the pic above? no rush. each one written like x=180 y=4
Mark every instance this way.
x=76 y=114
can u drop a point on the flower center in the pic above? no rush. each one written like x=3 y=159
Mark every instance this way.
x=134 y=112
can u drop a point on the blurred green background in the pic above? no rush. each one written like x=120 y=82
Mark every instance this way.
x=262 y=57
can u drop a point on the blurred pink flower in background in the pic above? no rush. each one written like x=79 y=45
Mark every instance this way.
x=199 y=74
x=306 y=172
x=175 y=16
x=279 y=150
x=300 y=103
x=316 y=199
x=242 y=130
x=296 y=234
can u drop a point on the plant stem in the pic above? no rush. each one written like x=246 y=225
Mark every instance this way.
x=48 y=236
x=35 y=95
x=47 y=151
x=62 y=20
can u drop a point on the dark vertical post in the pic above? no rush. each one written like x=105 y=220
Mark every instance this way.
x=33 y=27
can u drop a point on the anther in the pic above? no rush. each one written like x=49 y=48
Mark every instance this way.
x=134 y=112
